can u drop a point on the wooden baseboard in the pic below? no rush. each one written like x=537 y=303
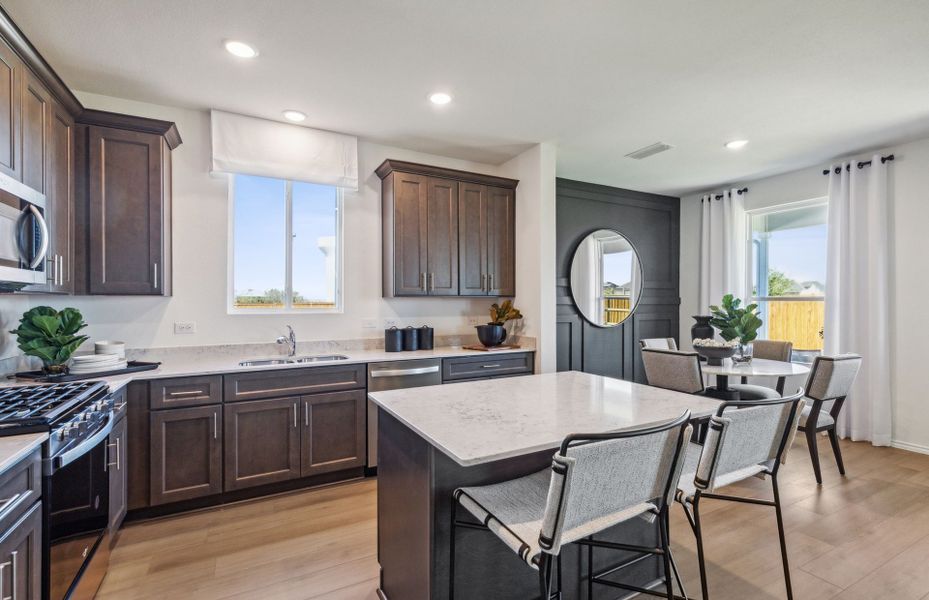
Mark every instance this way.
x=910 y=447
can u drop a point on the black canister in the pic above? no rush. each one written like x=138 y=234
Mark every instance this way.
x=425 y=337
x=393 y=340
x=411 y=338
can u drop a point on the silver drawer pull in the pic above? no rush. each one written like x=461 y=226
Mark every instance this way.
x=190 y=393
x=5 y=504
x=491 y=366
x=295 y=415
x=114 y=464
x=402 y=372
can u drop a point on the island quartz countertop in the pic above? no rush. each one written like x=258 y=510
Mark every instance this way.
x=483 y=421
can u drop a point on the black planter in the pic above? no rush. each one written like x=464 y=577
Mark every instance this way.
x=491 y=335
x=702 y=328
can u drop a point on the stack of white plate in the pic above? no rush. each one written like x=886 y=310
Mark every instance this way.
x=95 y=363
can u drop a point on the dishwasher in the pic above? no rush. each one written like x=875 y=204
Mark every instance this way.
x=396 y=375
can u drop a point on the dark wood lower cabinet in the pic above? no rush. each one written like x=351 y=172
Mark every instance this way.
x=186 y=454
x=334 y=432
x=262 y=442
x=117 y=470
x=21 y=557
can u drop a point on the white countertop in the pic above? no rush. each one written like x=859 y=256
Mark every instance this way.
x=16 y=447
x=482 y=421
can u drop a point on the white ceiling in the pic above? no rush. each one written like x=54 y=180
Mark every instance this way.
x=804 y=80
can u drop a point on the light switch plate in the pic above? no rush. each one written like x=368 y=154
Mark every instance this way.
x=388 y=323
x=369 y=323
x=184 y=327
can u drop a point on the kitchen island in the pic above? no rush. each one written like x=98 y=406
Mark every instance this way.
x=433 y=440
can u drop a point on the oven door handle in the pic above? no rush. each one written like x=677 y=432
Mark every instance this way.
x=63 y=460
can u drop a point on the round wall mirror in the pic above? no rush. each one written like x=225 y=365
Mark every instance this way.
x=606 y=278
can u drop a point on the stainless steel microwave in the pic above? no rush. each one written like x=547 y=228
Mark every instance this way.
x=24 y=235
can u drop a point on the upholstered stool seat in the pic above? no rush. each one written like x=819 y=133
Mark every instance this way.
x=748 y=391
x=823 y=420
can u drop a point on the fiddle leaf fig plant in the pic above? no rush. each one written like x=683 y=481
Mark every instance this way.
x=50 y=335
x=500 y=314
x=735 y=322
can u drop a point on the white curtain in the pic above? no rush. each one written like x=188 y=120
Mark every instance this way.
x=723 y=245
x=857 y=294
x=253 y=146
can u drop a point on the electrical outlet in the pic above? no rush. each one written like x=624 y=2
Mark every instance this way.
x=184 y=327
x=369 y=323
x=388 y=323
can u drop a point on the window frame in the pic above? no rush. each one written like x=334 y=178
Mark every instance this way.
x=288 y=308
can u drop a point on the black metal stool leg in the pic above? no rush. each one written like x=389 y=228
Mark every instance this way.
x=451 y=562
x=665 y=545
x=701 y=557
x=783 y=539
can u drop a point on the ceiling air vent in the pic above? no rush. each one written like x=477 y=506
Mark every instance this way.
x=649 y=150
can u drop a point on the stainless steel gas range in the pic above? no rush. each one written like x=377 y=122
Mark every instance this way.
x=75 y=486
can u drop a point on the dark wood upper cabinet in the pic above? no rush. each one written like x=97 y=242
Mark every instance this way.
x=59 y=190
x=333 y=435
x=36 y=113
x=186 y=449
x=447 y=232
x=11 y=68
x=262 y=442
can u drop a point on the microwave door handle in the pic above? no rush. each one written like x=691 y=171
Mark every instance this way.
x=43 y=248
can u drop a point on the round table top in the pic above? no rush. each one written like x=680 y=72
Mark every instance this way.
x=758 y=367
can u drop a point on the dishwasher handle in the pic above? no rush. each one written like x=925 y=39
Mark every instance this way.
x=403 y=372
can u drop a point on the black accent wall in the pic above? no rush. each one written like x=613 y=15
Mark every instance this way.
x=652 y=223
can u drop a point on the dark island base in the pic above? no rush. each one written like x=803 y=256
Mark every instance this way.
x=415 y=484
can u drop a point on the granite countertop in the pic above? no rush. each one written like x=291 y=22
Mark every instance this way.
x=14 y=448
x=483 y=421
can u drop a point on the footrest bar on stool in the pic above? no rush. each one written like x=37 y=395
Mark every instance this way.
x=635 y=588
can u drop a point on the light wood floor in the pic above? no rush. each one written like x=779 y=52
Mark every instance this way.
x=864 y=537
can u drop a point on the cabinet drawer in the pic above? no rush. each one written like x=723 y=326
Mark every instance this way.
x=472 y=367
x=293 y=382
x=186 y=391
x=20 y=487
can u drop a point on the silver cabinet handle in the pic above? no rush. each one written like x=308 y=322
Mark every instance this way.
x=9 y=502
x=13 y=555
x=483 y=282
x=295 y=415
x=402 y=372
x=432 y=282
x=422 y=277
x=490 y=286
x=188 y=393
x=490 y=366
x=215 y=432
x=113 y=464
x=52 y=271
x=3 y=567
x=61 y=270
x=155 y=274
x=306 y=413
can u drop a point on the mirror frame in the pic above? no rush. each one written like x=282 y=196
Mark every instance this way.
x=635 y=304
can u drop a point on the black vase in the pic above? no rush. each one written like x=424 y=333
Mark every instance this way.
x=491 y=335
x=702 y=328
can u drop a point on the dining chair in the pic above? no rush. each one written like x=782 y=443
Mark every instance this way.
x=772 y=350
x=830 y=380
x=596 y=481
x=745 y=439
x=659 y=343
x=676 y=370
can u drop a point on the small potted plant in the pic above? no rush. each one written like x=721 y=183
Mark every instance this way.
x=51 y=336
x=494 y=333
x=737 y=324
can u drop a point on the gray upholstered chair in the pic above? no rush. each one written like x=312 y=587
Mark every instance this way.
x=830 y=380
x=772 y=350
x=673 y=370
x=659 y=343
x=745 y=439
x=596 y=481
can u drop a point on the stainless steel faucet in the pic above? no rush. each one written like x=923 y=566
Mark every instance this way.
x=290 y=340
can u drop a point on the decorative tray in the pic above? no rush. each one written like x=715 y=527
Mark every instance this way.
x=134 y=366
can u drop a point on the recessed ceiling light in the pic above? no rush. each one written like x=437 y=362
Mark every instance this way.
x=240 y=49
x=736 y=144
x=294 y=115
x=440 y=98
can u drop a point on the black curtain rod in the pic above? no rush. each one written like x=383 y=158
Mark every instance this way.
x=739 y=192
x=861 y=164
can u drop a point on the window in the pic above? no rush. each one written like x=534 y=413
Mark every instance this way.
x=285 y=246
x=788 y=272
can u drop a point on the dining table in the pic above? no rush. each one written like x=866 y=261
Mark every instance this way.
x=757 y=367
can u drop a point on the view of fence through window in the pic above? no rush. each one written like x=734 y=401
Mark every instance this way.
x=789 y=274
x=285 y=244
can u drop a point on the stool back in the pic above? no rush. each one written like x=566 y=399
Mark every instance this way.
x=599 y=480
x=772 y=350
x=673 y=370
x=832 y=376
x=659 y=343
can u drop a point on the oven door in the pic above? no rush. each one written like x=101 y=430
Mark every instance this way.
x=76 y=505
x=24 y=235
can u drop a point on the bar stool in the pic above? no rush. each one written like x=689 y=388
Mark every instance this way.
x=659 y=343
x=596 y=481
x=745 y=439
x=831 y=379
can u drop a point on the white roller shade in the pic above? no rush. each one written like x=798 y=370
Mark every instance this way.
x=253 y=146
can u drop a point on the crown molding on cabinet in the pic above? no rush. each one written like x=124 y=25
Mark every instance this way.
x=103 y=118
x=390 y=165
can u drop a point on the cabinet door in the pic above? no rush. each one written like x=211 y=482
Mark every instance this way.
x=116 y=466
x=501 y=241
x=333 y=432
x=21 y=557
x=186 y=454
x=442 y=237
x=472 y=239
x=36 y=109
x=262 y=442
x=10 y=102
x=59 y=189
x=410 y=234
x=125 y=182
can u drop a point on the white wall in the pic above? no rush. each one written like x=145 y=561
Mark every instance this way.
x=200 y=215
x=910 y=287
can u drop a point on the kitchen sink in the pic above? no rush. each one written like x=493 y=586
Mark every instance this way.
x=265 y=362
